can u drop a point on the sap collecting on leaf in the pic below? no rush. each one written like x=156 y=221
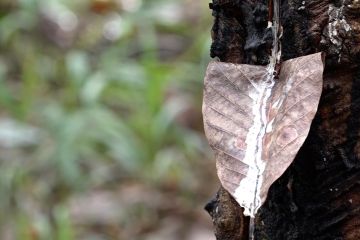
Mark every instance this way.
x=247 y=193
x=256 y=124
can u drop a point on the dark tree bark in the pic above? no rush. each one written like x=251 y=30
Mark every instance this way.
x=318 y=197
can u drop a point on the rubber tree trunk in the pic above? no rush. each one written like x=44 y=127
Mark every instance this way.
x=318 y=197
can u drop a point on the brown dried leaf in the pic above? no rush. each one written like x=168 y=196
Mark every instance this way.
x=256 y=124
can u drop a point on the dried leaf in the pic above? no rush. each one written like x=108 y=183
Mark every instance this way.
x=256 y=124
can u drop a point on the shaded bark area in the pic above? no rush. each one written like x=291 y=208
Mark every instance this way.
x=318 y=197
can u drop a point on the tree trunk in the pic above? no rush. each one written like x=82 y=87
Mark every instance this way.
x=318 y=197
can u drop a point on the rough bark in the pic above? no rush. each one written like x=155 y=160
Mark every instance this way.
x=318 y=197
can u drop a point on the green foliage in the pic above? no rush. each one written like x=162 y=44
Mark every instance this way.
x=104 y=95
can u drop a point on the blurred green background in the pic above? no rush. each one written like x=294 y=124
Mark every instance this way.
x=100 y=120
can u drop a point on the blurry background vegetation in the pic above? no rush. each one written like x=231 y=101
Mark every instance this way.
x=100 y=120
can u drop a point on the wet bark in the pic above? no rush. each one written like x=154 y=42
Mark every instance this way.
x=318 y=197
